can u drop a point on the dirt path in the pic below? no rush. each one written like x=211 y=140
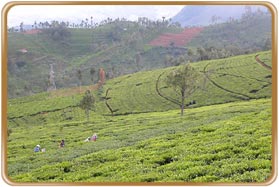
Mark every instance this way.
x=242 y=96
x=160 y=94
x=262 y=63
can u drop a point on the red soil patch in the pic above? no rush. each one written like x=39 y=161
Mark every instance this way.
x=33 y=31
x=180 y=39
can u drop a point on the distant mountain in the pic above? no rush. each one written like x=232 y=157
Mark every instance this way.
x=203 y=15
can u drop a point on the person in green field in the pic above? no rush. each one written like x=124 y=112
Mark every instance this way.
x=62 y=144
x=37 y=148
x=94 y=137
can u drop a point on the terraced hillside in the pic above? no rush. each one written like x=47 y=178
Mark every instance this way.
x=221 y=143
x=227 y=80
x=123 y=47
x=112 y=46
x=224 y=137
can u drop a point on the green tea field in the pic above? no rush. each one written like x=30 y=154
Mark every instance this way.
x=226 y=136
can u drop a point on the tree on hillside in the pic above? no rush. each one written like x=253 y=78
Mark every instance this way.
x=170 y=61
x=138 y=60
x=35 y=25
x=202 y=53
x=87 y=103
x=21 y=27
x=57 y=31
x=102 y=76
x=185 y=81
x=86 y=23
x=267 y=44
x=79 y=75
x=92 y=73
x=190 y=54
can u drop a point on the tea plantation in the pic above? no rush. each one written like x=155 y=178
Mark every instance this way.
x=225 y=137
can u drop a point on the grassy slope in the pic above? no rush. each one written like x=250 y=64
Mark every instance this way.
x=139 y=90
x=243 y=72
x=233 y=140
x=88 y=48
x=85 y=48
x=229 y=143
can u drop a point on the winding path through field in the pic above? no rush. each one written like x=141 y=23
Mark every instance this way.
x=243 y=96
x=262 y=63
x=160 y=94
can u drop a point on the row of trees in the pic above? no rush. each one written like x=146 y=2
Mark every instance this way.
x=88 y=23
x=209 y=53
x=251 y=33
x=200 y=53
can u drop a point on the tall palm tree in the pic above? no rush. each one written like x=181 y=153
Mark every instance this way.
x=86 y=22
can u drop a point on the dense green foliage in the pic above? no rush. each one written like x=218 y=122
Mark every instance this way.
x=87 y=103
x=112 y=46
x=225 y=134
x=185 y=81
x=250 y=33
x=224 y=137
x=136 y=93
x=230 y=79
x=220 y=143
x=120 y=47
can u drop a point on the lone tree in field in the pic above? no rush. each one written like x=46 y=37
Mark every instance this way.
x=87 y=103
x=185 y=81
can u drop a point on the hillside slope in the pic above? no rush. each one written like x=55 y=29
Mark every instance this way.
x=220 y=143
x=225 y=137
x=138 y=93
x=113 y=46
x=123 y=47
x=141 y=89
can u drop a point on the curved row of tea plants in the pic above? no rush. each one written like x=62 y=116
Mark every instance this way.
x=221 y=143
x=233 y=78
x=230 y=79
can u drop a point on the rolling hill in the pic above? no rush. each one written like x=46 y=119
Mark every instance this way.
x=228 y=143
x=123 y=47
x=108 y=46
x=140 y=90
x=224 y=137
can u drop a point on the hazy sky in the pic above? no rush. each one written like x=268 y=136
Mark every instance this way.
x=75 y=13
